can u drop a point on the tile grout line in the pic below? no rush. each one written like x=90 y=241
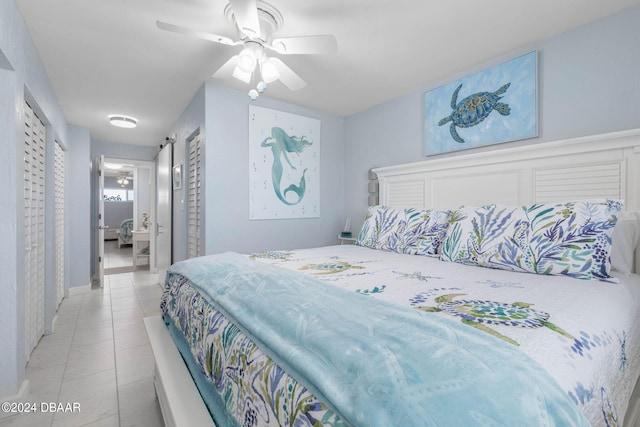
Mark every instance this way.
x=115 y=360
x=115 y=367
x=66 y=362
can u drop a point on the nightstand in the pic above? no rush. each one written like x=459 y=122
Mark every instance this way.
x=139 y=236
x=348 y=240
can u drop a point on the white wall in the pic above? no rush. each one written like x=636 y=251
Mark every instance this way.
x=588 y=83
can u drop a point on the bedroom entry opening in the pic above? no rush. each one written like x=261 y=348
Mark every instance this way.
x=127 y=211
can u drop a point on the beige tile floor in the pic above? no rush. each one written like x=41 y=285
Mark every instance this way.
x=98 y=357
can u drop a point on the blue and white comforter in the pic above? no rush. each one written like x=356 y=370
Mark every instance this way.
x=583 y=333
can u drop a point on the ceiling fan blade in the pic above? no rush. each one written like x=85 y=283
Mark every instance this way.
x=197 y=34
x=287 y=76
x=305 y=45
x=246 y=15
x=226 y=70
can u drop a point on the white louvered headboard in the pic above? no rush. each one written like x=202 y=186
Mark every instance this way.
x=597 y=166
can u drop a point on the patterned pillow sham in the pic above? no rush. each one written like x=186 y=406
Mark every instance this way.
x=571 y=239
x=426 y=230
x=409 y=231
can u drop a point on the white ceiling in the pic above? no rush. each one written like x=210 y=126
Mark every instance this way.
x=106 y=57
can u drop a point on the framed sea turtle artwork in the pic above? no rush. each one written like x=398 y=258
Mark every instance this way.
x=490 y=107
x=284 y=165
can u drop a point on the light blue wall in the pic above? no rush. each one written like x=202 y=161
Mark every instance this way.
x=588 y=83
x=190 y=122
x=123 y=151
x=227 y=179
x=77 y=206
x=22 y=76
x=222 y=115
x=11 y=247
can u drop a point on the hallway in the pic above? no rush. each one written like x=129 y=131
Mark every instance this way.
x=98 y=358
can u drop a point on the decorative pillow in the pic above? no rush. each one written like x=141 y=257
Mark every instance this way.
x=382 y=225
x=426 y=230
x=410 y=231
x=624 y=241
x=572 y=238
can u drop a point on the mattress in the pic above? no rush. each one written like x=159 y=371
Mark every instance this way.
x=584 y=334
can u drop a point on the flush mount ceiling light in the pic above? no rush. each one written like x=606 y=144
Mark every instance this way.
x=123 y=121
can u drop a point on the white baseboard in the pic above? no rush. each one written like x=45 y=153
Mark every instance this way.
x=77 y=290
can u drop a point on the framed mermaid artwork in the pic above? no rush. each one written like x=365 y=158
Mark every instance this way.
x=284 y=165
x=490 y=107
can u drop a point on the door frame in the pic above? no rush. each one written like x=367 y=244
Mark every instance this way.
x=138 y=164
x=167 y=227
x=100 y=218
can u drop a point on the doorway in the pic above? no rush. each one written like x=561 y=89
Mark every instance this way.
x=129 y=206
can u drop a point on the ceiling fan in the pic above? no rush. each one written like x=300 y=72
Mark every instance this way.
x=256 y=21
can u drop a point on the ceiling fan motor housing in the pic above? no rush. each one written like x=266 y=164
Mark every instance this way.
x=270 y=21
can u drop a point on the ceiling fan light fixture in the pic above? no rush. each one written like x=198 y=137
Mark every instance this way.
x=247 y=60
x=242 y=75
x=269 y=71
x=256 y=22
x=123 y=180
x=122 y=121
x=262 y=86
x=253 y=94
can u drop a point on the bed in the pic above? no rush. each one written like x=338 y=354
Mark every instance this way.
x=125 y=235
x=511 y=337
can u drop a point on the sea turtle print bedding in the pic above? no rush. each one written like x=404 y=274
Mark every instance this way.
x=582 y=332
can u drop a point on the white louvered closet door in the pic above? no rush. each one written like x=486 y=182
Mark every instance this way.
x=34 y=199
x=195 y=197
x=59 y=222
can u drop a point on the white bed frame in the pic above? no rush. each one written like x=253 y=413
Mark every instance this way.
x=589 y=167
x=180 y=401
